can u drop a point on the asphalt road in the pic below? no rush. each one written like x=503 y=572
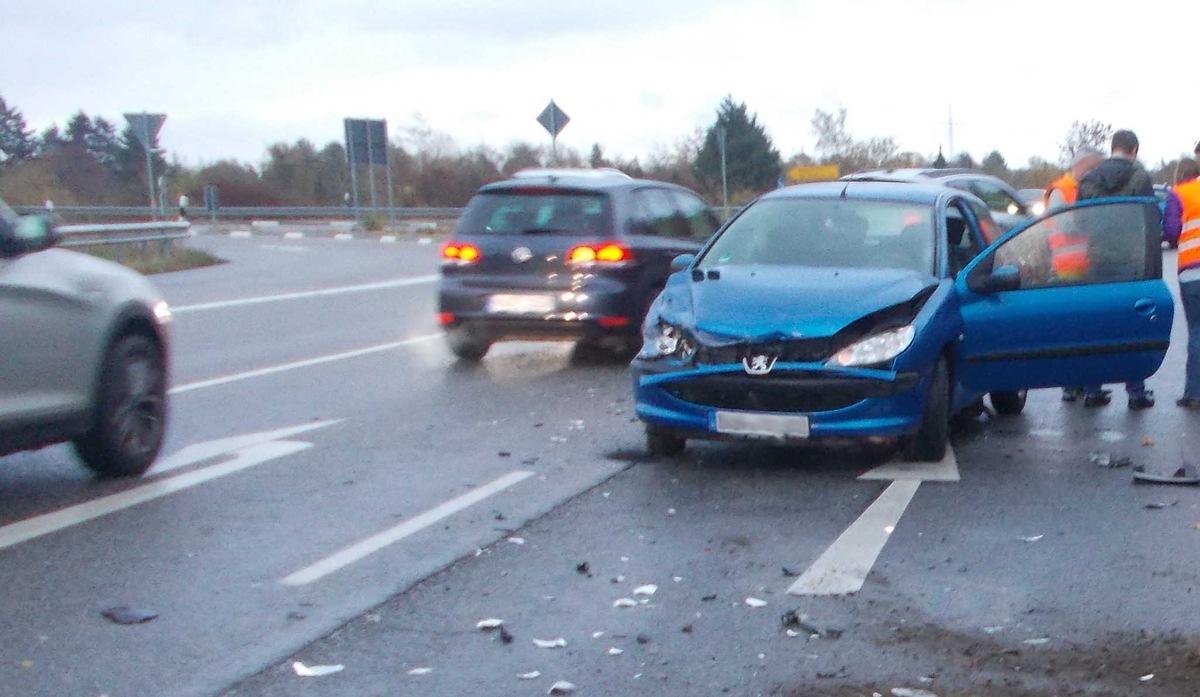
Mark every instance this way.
x=336 y=489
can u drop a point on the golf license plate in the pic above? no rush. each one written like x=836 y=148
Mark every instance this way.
x=520 y=304
x=766 y=425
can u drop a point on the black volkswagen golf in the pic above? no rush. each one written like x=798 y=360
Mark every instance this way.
x=564 y=254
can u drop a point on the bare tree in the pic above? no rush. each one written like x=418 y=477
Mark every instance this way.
x=1092 y=133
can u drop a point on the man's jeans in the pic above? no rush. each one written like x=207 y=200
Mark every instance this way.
x=1190 y=294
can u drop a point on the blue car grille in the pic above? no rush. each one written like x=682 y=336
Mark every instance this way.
x=795 y=392
x=798 y=351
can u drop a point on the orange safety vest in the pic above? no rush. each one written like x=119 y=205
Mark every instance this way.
x=1189 y=237
x=1067 y=185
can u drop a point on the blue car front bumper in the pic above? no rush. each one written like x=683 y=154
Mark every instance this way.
x=838 y=402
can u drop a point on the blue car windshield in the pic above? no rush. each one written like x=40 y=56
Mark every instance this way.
x=841 y=233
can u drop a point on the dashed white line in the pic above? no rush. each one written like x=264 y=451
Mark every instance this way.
x=240 y=233
x=293 y=235
x=285 y=367
x=361 y=550
x=388 y=239
x=301 y=295
x=343 y=237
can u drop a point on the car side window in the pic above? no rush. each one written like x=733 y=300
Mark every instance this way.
x=654 y=213
x=996 y=198
x=701 y=223
x=1091 y=244
x=963 y=241
x=987 y=225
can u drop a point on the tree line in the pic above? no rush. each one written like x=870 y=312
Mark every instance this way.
x=91 y=162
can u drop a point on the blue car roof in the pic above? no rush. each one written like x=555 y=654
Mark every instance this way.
x=867 y=190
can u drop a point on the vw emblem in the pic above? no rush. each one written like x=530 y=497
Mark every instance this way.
x=522 y=254
x=758 y=363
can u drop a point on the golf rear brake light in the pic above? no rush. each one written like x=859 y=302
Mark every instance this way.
x=460 y=253
x=603 y=253
x=445 y=318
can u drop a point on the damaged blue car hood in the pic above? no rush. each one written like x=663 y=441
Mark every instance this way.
x=780 y=302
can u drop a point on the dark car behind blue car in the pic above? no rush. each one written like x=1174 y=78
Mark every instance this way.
x=868 y=309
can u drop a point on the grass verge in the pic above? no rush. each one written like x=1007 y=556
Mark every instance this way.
x=148 y=259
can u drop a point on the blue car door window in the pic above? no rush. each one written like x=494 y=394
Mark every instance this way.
x=1032 y=321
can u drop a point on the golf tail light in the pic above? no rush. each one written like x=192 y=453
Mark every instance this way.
x=460 y=253
x=603 y=253
x=878 y=348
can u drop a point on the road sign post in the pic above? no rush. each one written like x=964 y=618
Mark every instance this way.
x=553 y=120
x=145 y=128
x=366 y=143
x=722 y=136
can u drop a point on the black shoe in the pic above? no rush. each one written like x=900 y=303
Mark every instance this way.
x=1071 y=394
x=1188 y=403
x=1141 y=402
x=1098 y=399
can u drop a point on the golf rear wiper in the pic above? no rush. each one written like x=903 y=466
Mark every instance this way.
x=532 y=230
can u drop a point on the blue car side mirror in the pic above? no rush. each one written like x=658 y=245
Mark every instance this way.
x=681 y=262
x=1002 y=279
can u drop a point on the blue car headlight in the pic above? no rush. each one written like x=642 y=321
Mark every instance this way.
x=665 y=340
x=875 y=349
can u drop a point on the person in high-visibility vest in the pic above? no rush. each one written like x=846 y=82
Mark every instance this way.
x=1068 y=252
x=1181 y=224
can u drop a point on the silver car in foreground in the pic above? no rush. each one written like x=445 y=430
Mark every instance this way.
x=83 y=352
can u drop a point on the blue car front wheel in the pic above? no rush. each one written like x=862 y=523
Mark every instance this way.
x=663 y=443
x=928 y=444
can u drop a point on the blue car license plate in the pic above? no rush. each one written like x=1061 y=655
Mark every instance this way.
x=766 y=425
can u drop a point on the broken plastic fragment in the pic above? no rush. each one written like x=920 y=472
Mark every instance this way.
x=1037 y=642
x=792 y=633
x=420 y=671
x=1147 y=677
x=124 y=614
x=562 y=687
x=490 y=623
x=550 y=643
x=670 y=511
x=1147 y=442
x=648 y=589
x=1035 y=538
x=756 y=602
x=517 y=540
x=315 y=671
x=677 y=579
x=625 y=602
x=911 y=692
x=614 y=651
x=597 y=635
x=531 y=675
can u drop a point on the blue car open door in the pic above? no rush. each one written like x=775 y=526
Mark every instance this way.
x=1074 y=298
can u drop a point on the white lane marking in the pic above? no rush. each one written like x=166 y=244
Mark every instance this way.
x=31 y=528
x=301 y=295
x=293 y=235
x=944 y=471
x=208 y=450
x=388 y=239
x=285 y=367
x=845 y=565
x=343 y=237
x=376 y=542
x=843 y=568
x=240 y=233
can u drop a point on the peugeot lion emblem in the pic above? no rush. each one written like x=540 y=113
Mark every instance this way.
x=758 y=363
x=522 y=254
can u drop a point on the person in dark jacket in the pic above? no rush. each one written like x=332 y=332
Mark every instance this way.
x=1119 y=175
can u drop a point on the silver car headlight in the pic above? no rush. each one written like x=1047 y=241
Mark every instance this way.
x=878 y=348
x=162 y=312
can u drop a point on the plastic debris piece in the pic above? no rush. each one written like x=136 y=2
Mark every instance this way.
x=713 y=596
x=517 y=540
x=993 y=630
x=670 y=511
x=788 y=573
x=315 y=671
x=625 y=602
x=1159 y=506
x=505 y=637
x=490 y=623
x=583 y=568
x=911 y=692
x=597 y=635
x=1035 y=538
x=648 y=589
x=792 y=633
x=756 y=602
x=614 y=651
x=558 y=643
x=1100 y=458
x=1184 y=475
x=794 y=620
x=562 y=687
x=1037 y=642
x=420 y=671
x=1147 y=442
x=643 y=639
x=531 y=675
x=677 y=579
x=1147 y=677
x=557 y=439
x=123 y=614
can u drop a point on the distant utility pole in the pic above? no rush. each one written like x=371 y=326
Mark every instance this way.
x=950 y=131
x=722 y=136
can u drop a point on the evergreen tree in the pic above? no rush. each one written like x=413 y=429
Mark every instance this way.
x=995 y=165
x=17 y=143
x=752 y=162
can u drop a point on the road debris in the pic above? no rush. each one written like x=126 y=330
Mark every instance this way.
x=625 y=602
x=911 y=692
x=677 y=579
x=558 y=643
x=614 y=651
x=1147 y=442
x=643 y=639
x=505 y=637
x=1103 y=458
x=756 y=602
x=788 y=573
x=1184 y=475
x=597 y=635
x=687 y=629
x=1146 y=678
x=488 y=624
x=531 y=675
x=706 y=598
x=562 y=687
x=583 y=569
x=1035 y=538
x=315 y=671
x=793 y=620
x=1042 y=641
x=504 y=453
x=123 y=614
x=420 y=671
x=670 y=511
x=648 y=589
x=1159 y=506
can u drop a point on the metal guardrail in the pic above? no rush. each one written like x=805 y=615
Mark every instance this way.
x=122 y=233
x=249 y=212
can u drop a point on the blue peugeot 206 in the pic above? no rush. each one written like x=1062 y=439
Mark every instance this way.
x=869 y=309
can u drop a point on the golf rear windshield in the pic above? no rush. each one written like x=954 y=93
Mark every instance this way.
x=537 y=210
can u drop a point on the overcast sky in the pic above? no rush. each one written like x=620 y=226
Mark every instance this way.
x=234 y=76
